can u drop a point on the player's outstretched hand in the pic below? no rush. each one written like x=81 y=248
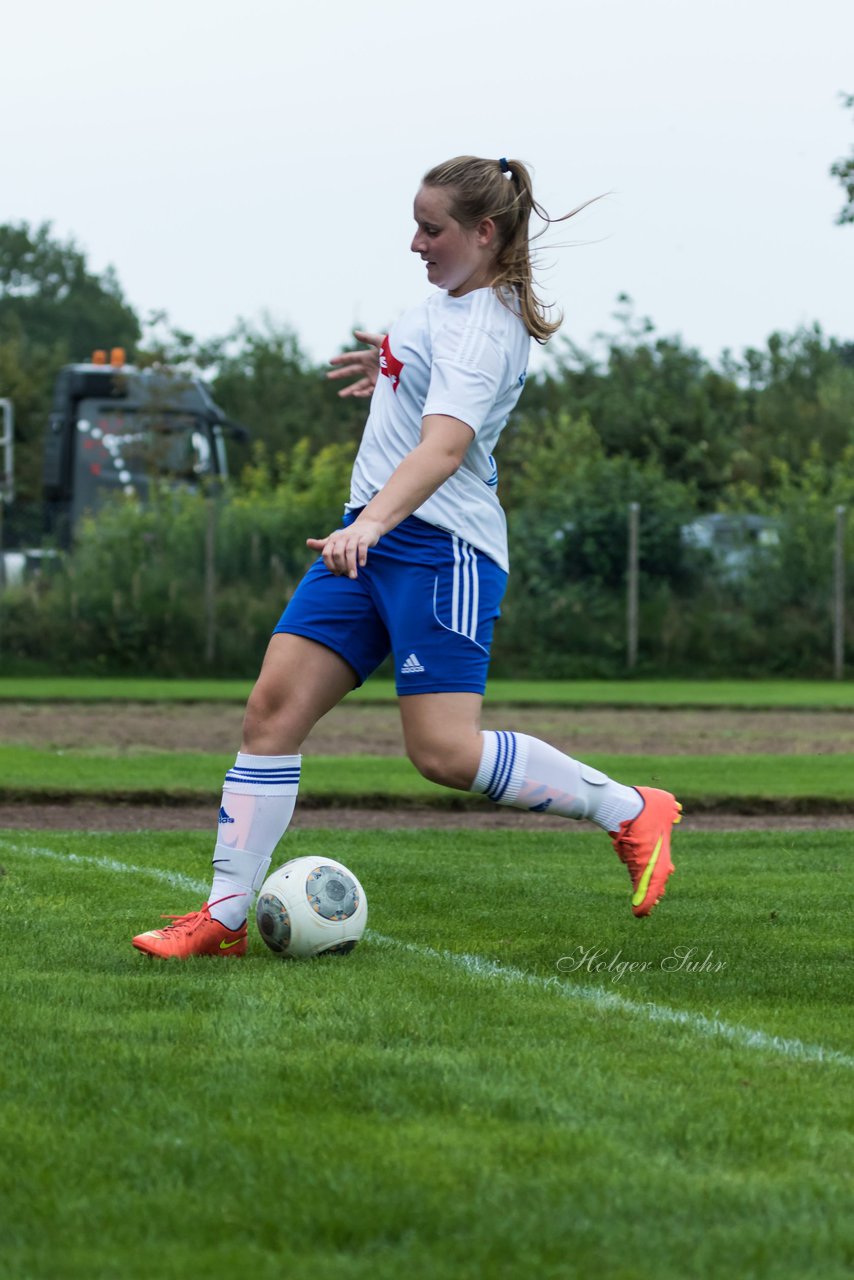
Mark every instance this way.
x=346 y=550
x=362 y=365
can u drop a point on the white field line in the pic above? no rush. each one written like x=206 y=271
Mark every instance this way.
x=479 y=967
x=173 y=878
x=713 y=1028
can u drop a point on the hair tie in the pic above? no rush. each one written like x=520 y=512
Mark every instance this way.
x=505 y=167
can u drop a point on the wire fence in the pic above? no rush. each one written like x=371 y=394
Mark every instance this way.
x=195 y=583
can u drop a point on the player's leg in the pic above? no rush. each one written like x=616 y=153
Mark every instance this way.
x=441 y=605
x=445 y=743
x=300 y=681
x=441 y=618
x=305 y=673
x=441 y=733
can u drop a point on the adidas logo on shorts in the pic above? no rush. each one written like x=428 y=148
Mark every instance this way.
x=411 y=666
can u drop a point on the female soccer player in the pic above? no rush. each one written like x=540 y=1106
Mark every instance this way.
x=419 y=567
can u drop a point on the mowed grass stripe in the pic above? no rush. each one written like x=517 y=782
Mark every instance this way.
x=491 y=970
x=433 y=1122
x=746 y=694
x=774 y=905
x=764 y=781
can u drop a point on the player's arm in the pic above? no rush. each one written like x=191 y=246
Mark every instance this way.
x=444 y=443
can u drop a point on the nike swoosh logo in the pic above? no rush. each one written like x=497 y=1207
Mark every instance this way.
x=226 y=946
x=640 y=893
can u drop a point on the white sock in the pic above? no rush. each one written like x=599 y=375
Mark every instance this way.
x=258 y=800
x=529 y=774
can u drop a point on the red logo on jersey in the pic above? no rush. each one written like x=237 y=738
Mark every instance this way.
x=390 y=366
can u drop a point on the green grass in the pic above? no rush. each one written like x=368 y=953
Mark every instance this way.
x=827 y=694
x=761 y=781
x=406 y=1112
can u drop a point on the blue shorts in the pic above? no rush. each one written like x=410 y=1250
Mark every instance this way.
x=424 y=595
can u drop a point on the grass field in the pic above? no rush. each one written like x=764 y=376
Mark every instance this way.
x=629 y=693
x=510 y=1077
x=797 y=783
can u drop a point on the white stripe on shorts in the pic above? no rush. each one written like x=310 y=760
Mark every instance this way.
x=465 y=589
x=475 y=594
x=455 y=583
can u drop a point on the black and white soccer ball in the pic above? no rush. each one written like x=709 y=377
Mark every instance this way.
x=310 y=906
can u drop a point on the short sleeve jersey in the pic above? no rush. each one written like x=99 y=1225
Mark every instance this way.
x=465 y=358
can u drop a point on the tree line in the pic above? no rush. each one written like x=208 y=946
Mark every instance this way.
x=649 y=397
x=644 y=418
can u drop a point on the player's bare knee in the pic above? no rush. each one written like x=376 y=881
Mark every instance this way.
x=268 y=726
x=261 y=707
x=442 y=764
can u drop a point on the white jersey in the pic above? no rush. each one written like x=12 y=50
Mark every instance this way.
x=465 y=358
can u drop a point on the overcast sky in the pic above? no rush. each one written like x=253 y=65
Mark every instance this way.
x=232 y=159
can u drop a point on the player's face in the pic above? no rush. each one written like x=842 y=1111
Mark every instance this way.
x=457 y=259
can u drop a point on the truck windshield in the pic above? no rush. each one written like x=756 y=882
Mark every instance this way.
x=125 y=450
x=120 y=448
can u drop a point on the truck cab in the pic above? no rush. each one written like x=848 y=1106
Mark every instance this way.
x=116 y=429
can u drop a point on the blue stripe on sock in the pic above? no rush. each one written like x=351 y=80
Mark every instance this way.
x=259 y=777
x=511 y=763
x=271 y=778
x=507 y=771
x=499 y=755
x=498 y=784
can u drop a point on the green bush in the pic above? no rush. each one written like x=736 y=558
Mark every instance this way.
x=133 y=595
x=136 y=596
x=565 y=610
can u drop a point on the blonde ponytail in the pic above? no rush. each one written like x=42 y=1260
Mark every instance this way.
x=502 y=190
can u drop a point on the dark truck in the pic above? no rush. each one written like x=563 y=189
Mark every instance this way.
x=117 y=429
x=114 y=429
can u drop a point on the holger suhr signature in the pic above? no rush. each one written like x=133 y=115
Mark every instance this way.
x=584 y=959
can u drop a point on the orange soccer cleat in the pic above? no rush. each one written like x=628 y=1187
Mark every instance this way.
x=195 y=934
x=643 y=844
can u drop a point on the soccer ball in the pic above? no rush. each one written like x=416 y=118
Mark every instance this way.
x=309 y=906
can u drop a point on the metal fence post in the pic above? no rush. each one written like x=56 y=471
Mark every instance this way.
x=210 y=582
x=7 y=472
x=839 y=596
x=632 y=587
